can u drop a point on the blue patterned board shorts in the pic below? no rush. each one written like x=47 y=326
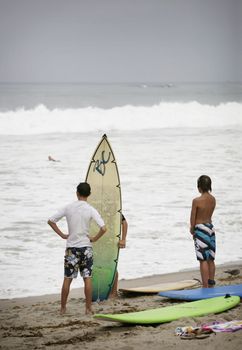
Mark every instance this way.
x=78 y=259
x=205 y=242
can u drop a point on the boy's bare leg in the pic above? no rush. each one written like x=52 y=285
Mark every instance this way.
x=204 y=272
x=64 y=293
x=88 y=294
x=114 y=291
x=211 y=271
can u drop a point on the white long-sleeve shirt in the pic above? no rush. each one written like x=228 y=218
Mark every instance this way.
x=78 y=216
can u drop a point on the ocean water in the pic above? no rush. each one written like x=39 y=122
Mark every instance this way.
x=164 y=137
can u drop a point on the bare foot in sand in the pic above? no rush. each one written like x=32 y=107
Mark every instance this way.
x=63 y=310
x=89 y=312
x=113 y=296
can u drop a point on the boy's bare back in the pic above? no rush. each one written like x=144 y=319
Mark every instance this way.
x=202 y=208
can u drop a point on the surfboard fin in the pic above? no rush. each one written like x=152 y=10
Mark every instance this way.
x=227 y=296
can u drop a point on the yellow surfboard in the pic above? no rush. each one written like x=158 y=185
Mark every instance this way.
x=162 y=287
x=103 y=177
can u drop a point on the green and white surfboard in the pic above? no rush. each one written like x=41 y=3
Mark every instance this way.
x=103 y=177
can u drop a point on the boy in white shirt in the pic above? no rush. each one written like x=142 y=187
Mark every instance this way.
x=79 y=253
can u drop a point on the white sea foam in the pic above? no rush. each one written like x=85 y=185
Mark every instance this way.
x=42 y=120
x=158 y=183
x=158 y=171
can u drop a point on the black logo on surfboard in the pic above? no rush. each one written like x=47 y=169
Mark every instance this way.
x=100 y=165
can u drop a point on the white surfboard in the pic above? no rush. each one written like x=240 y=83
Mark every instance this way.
x=162 y=287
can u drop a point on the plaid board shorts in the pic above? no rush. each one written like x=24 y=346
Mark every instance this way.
x=78 y=259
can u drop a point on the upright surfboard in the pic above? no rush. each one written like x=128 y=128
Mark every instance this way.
x=172 y=313
x=103 y=177
x=203 y=293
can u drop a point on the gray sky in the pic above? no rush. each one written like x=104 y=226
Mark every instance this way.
x=120 y=40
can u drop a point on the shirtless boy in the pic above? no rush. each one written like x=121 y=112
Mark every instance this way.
x=202 y=230
x=122 y=244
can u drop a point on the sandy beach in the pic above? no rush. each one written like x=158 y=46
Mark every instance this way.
x=35 y=322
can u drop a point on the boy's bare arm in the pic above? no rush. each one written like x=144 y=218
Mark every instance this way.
x=57 y=230
x=98 y=235
x=122 y=242
x=193 y=216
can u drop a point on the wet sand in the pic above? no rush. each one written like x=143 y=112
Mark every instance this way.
x=35 y=322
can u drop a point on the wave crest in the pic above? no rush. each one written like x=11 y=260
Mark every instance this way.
x=41 y=120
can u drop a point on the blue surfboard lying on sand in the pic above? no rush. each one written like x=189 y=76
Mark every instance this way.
x=203 y=293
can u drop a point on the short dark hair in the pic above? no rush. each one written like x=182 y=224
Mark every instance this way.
x=84 y=189
x=204 y=183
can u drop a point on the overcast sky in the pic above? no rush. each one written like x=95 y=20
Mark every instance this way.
x=120 y=40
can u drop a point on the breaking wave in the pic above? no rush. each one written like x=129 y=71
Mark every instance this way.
x=42 y=120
